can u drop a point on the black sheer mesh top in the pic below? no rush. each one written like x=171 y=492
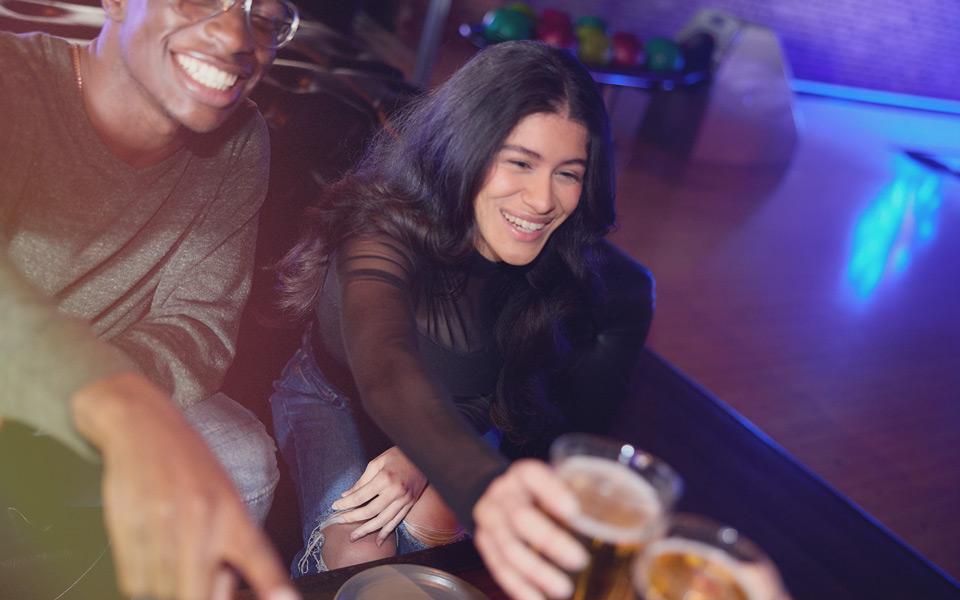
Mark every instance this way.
x=424 y=363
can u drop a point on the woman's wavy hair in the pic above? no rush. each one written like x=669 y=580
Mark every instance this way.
x=418 y=181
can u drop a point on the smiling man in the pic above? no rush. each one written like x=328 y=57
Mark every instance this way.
x=132 y=171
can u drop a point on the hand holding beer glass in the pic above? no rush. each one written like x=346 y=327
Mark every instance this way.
x=699 y=559
x=625 y=497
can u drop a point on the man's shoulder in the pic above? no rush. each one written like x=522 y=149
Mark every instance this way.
x=15 y=45
x=19 y=50
x=254 y=126
x=29 y=65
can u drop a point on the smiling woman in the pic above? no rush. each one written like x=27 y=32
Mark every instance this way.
x=437 y=280
x=533 y=185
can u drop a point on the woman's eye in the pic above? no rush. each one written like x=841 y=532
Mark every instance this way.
x=571 y=176
x=522 y=164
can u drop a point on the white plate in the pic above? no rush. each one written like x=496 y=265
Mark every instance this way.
x=407 y=582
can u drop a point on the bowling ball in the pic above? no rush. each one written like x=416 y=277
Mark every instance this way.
x=625 y=49
x=556 y=35
x=663 y=55
x=590 y=21
x=594 y=46
x=503 y=24
x=553 y=16
x=524 y=9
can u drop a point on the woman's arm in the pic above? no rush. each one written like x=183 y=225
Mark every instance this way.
x=525 y=550
x=380 y=339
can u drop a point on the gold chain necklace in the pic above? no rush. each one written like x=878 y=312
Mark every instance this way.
x=75 y=52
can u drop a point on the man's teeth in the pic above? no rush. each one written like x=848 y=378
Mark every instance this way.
x=206 y=74
x=522 y=224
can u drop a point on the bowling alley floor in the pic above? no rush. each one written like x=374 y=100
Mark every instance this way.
x=819 y=300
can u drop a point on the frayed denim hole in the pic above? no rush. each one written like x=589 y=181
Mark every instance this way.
x=313 y=550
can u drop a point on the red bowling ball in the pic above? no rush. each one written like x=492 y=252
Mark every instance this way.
x=625 y=49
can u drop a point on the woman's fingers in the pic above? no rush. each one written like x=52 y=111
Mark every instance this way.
x=517 y=530
x=546 y=537
x=524 y=549
x=373 y=467
x=547 y=491
x=361 y=495
x=506 y=576
x=366 y=512
x=379 y=520
x=393 y=524
x=546 y=488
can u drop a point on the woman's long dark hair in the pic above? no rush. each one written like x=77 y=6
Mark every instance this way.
x=418 y=183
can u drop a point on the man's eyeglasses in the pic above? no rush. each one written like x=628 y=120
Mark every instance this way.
x=271 y=23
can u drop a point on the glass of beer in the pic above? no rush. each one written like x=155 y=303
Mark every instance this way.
x=625 y=496
x=700 y=559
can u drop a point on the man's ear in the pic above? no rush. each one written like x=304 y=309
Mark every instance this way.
x=115 y=9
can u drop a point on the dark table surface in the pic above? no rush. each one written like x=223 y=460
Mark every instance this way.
x=824 y=545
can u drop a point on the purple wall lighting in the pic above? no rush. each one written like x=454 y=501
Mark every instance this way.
x=908 y=47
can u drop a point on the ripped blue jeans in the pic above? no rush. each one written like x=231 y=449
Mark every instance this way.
x=327 y=441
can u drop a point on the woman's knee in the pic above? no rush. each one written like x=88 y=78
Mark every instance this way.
x=431 y=522
x=340 y=551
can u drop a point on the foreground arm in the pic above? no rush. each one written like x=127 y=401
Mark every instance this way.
x=44 y=357
x=174 y=519
x=56 y=376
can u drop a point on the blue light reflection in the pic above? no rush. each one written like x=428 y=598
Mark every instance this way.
x=901 y=221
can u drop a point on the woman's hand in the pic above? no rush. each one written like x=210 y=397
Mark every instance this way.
x=383 y=495
x=525 y=551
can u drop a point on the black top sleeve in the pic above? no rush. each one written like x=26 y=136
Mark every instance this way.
x=379 y=332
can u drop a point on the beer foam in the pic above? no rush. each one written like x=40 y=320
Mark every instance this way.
x=617 y=505
x=758 y=580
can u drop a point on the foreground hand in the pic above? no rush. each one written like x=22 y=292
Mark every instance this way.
x=521 y=546
x=174 y=519
x=392 y=485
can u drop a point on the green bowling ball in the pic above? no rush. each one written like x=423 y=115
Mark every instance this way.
x=524 y=9
x=663 y=55
x=505 y=24
x=592 y=22
x=594 y=46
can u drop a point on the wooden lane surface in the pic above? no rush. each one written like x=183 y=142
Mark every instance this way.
x=761 y=297
x=824 y=546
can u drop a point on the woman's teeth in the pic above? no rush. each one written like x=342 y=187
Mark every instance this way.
x=206 y=74
x=522 y=224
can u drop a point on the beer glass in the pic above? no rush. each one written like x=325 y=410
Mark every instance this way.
x=625 y=496
x=700 y=559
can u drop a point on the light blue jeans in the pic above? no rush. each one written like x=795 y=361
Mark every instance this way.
x=327 y=441
x=240 y=442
